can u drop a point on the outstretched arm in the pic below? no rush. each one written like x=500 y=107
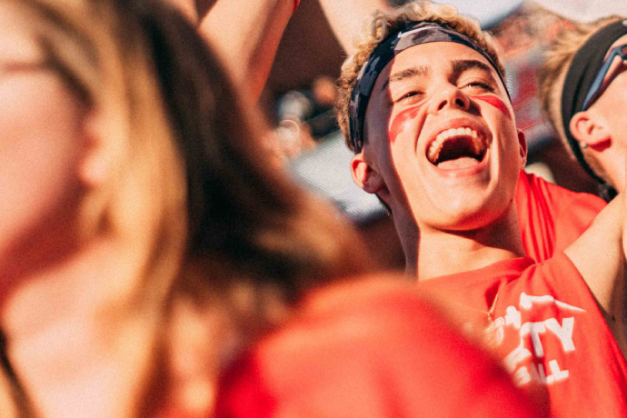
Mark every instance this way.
x=244 y=33
x=599 y=255
x=346 y=18
x=187 y=7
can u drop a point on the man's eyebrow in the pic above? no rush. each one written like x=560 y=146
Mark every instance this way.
x=421 y=70
x=461 y=66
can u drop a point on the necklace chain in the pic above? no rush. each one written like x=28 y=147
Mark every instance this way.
x=489 y=312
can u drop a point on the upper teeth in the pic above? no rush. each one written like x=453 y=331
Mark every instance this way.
x=435 y=147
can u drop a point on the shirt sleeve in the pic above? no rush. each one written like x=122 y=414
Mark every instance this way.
x=551 y=217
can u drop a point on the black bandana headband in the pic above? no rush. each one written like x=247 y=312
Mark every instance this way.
x=581 y=74
x=408 y=35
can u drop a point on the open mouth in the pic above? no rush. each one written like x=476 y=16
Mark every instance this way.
x=457 y=148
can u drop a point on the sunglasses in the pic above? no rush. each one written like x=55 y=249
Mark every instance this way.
x=595 y=89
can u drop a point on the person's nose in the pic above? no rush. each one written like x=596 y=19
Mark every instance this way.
x=449 y=97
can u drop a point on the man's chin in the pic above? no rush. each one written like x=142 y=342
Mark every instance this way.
x=468 y=214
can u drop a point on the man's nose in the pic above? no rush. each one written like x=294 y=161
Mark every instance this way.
x=451 y=97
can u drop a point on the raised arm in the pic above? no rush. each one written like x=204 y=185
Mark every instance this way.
x=599 y=255
x=244 y=33
x=346 y=18
x=187 y=7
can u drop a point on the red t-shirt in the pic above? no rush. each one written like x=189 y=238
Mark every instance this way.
x=370 y=349
x=551 y=217
x=548 y=330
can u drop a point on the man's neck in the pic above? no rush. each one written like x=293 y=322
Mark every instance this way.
x=432 y=253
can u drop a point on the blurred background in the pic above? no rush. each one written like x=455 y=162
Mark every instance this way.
x=299 y=98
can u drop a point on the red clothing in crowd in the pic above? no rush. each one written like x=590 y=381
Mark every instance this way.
x=368 y=349
x=548 y=331
x=551 y=217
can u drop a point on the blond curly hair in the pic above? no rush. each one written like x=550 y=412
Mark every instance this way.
x=552 y=75
x=382 y=23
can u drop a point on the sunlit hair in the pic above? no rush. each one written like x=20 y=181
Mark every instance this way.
x=192 y=169
x=174 y=107
x=103 y=53
x=104 y=56
x=381 y=23
x=552 y=74
x=257 y=241
x=254 y=234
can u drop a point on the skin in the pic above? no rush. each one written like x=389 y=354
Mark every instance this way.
x=42 y=148
x=602 y=128
x=435 y=209
x=347 y=16
x=405 y=117
x=74 y=354
x=463 y=219
x=244 y=34
x=599 y=254
x=497 y=103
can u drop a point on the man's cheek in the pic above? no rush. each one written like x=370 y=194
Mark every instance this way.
x=401 y=122
x=496 y=102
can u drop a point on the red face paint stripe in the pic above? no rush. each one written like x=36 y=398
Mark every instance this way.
x=496 y=102
x=398 y=124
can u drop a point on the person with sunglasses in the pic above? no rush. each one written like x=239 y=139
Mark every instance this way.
x=582 y=89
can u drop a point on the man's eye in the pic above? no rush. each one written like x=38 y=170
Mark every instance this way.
x=478 y=86
x=409 y=97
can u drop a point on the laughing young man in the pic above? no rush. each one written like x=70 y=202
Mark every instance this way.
x=425 y=108
x=550 y=217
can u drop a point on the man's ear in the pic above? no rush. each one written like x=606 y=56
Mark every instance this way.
x=364 y=175
x=522 y=144
x=589 y=130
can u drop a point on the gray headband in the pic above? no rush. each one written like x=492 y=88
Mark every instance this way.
x=408 y=35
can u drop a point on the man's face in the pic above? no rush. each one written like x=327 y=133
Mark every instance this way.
x=441 y=141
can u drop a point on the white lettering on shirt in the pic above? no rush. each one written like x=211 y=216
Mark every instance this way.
x=527 y=362
x=564 y=333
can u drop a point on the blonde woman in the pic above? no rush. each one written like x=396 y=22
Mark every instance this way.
x=92 y=234
x=124 y=152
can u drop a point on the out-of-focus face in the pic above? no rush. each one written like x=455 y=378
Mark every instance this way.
x=41 y=140
x=440 y=133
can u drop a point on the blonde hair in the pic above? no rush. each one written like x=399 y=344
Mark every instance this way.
x=191 y=171
x=382 y=23
x=141 y=202
x=552 y=75
x=89 y=47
